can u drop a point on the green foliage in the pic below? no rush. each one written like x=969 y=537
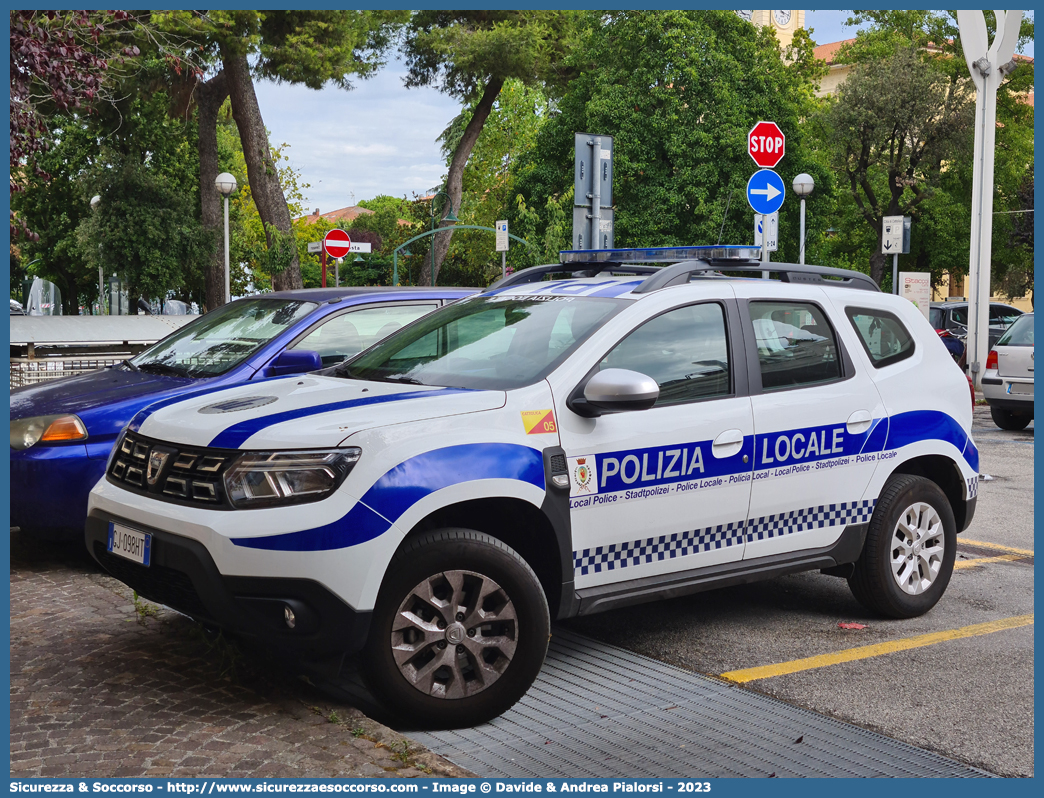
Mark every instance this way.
x=678 y=91
x=901 y=134
x=461 y=51
x=144 y=165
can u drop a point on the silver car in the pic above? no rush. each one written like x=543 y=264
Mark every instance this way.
x=1008 y=381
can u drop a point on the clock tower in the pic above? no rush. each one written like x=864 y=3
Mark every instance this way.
x=783 y=22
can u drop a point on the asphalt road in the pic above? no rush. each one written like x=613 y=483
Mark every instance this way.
x=967 y=697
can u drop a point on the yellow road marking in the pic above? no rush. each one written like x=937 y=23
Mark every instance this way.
x=996 y=546
x=875 y=650
x=983 y=560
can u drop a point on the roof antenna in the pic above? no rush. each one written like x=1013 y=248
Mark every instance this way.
x=724 y=217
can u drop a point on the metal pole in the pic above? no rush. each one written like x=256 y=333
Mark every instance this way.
x=596 y=194
x=433 y=242
x=895 y=273
x=503 y=264
x=323 y=259
x=801 y=257
x=101 y=292
x=228 y=290
x=764 y=244
x=337 y=273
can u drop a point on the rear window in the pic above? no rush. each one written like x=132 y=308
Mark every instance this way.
x=884 y=338
x=1020 y=333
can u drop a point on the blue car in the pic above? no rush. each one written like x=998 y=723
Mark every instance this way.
x=62 y=431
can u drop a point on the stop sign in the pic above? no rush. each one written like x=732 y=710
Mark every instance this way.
x=337 y=243
x=766 y=144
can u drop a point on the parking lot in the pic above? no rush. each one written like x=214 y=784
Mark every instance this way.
x=102 y=685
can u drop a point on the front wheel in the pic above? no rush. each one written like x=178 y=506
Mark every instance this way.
x=909 y=552
x=1010 y=419
x=459 y=632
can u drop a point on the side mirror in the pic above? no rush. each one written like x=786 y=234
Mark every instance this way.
x=295 y=361
x=613 y=390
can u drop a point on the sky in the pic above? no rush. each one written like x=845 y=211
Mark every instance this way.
x=381 y=138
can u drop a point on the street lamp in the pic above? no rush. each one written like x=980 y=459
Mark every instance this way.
x=95 y=202
x=226 y=184
x=449 y=219
x=803 y=185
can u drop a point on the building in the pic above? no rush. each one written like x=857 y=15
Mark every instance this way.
x=783 y=22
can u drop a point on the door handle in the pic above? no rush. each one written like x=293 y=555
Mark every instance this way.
x=859 y=422
x=727 y=443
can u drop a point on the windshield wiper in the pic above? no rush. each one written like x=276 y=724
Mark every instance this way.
x=410 y=380
x=130 y=364
x=163 y=368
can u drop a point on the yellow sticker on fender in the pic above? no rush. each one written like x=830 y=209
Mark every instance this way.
x=537 y=422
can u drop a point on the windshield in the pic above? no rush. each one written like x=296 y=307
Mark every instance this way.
x=223 y=338
x=1020 y=333
x=495 y=342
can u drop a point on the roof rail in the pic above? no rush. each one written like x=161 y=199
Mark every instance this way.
x=680 y=273
x=535 y=273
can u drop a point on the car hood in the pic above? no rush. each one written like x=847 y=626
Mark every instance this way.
x=310 y=411
x=97 y=397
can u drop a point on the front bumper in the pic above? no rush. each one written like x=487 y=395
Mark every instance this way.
x=182 y=575
x=50 y=486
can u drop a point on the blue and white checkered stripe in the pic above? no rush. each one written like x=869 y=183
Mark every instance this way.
x=842 y=514
x=973 y=486
x=664 y=547
x=697 y=541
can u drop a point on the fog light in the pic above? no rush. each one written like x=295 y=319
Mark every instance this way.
x=288 y=615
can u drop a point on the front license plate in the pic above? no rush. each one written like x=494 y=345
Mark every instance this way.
x=130 y=543
x=1021 y=388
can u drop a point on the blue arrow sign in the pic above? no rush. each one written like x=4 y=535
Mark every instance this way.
x=765 y=191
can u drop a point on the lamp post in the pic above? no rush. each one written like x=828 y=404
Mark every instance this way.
x=226 y=184
x=449 y=219
x=803 y=185
x=95 y=202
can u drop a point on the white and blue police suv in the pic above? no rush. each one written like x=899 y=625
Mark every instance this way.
x=547 y=449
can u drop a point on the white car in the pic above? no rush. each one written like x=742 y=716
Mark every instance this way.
x=1007 y=383
x=547 y=449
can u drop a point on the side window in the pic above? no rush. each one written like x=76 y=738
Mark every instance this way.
x=1001 y=316
x=350 y=333
x=883 y=336
x=796 y=345
x=685 y=350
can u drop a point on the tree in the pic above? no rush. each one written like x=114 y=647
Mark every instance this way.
x=895 y=125
x=940 y=240
x=678 y=91
x=59 y=62
x=469 y=55
x=309 y=47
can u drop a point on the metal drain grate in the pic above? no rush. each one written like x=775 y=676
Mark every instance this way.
x=600 y=711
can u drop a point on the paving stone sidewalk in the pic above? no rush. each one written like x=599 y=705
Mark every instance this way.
x=101 y=687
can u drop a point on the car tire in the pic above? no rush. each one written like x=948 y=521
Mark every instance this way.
x=437 y=656
x=910 y=547
x=1010 y=419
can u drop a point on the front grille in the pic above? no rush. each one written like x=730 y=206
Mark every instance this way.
x=157 y=583
x=180 y=474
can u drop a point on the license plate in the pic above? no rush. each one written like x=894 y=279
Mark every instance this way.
x=1022 y=388
x=130 y=544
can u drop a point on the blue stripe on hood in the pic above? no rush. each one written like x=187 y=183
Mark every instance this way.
x=234 y=436
x=405 y=485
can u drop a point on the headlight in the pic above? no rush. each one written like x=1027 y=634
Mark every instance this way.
x=262 y=479
x=26 y=432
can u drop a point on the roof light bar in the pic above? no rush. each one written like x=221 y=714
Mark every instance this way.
x=660 y=254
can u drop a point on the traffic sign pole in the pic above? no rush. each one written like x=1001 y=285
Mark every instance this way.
x=323 y=260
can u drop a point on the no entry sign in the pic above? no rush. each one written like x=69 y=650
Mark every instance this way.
x=766 y=144
x=338 y=243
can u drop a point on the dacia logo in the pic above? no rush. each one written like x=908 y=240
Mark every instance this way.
x=234 y=405
x=157 y=460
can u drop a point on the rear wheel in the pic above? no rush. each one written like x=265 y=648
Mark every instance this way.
x=909 y=552
x=459 y=632
x=1010 y=419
